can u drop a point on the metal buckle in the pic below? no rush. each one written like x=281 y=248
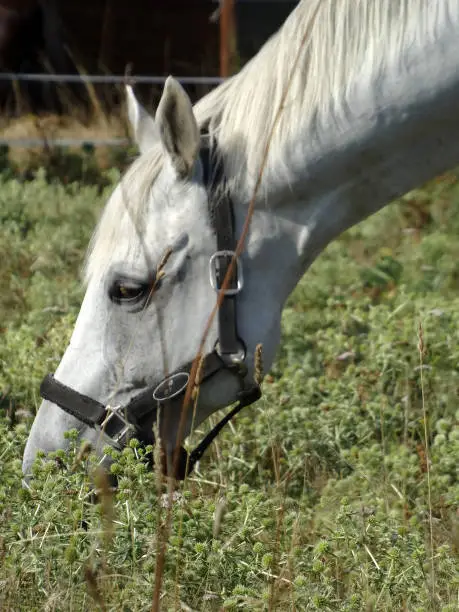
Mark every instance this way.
x=114 y=442
x=171 y=386
x=114 y=411
x=234 y=361
x=213 y=269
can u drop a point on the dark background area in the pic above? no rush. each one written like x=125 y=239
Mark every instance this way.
x=157 y=37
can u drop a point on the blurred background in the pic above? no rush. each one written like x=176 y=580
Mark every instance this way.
x=63 y=64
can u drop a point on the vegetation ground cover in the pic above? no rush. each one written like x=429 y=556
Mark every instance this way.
x=326 y=495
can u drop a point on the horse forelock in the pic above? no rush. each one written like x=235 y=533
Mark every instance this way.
x=124 y=215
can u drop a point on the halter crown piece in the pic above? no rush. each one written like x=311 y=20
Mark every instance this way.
x=118 y=424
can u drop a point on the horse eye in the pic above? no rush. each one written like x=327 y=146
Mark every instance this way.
x=127 y=291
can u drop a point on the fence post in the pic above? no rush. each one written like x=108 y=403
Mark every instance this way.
x=227 y=37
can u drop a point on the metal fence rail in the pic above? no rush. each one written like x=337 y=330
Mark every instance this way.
x=106 y=78
x=90 y=78
x=63 y=142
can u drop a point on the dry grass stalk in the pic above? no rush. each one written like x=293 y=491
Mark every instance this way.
x=161 y=536
x=105 y=495
x=259 y=373
x=197 y=363
x=422 y=353
x=241 y=242
x=90 y=576
x=82 y=455
x=195 y=398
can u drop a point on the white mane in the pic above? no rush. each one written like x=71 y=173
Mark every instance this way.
x=333 y=39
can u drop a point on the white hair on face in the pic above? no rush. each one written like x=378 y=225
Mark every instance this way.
x=333 y=40
x=125 y=213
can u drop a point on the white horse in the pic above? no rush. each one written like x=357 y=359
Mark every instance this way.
x=369 y=91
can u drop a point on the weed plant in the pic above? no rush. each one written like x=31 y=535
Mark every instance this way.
x=339 y=490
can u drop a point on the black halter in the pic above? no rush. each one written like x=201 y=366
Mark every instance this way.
x=118 y=424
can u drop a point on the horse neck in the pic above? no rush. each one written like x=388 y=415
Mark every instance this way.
x=390 y=132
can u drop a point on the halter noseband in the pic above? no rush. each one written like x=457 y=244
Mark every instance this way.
x=119 y=423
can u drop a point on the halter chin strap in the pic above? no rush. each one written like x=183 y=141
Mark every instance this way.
x=117 y=424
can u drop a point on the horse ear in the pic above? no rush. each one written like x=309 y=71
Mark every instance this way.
x=178 y=127
x=144 y=128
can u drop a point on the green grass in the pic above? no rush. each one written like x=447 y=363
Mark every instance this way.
x=316 y=499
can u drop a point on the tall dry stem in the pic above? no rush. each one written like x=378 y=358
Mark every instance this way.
x=422 y=353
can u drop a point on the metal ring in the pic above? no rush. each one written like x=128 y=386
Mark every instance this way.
x=165 y=390
x=238 y=270
x=233 y=358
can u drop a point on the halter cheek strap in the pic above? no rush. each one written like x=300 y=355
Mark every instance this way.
x=135 y=419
